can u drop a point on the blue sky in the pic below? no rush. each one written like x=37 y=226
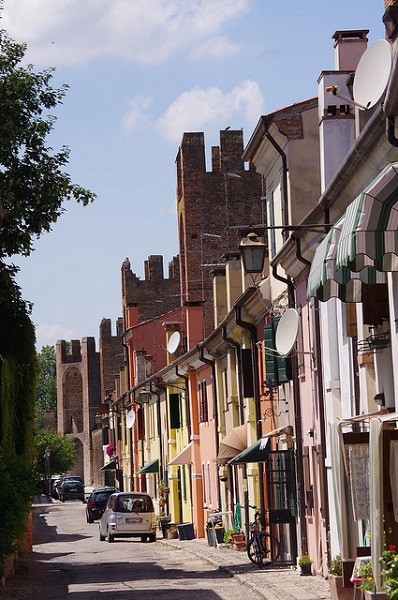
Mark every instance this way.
x=141 y=72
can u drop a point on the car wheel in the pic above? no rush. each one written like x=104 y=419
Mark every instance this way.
x=144 y=538
x=111 y=538
x=152 y=537
x=89 y=519
x=102 y=537
x=62 y=499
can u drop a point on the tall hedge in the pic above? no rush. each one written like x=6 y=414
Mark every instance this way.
x=18 y=378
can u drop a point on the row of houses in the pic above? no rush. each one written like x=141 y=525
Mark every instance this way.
x=275 y=388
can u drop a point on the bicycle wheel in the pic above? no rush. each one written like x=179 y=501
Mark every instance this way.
x=254 y=550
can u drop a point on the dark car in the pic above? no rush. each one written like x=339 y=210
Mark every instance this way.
x=96 y=503
x=71 y=489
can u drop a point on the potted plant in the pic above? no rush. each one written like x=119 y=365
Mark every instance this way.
x=389 y=561
x=305 y=564
x=337 y=590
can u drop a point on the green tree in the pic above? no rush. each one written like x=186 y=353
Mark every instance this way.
x=47 y=387
x=63 y=451
x=33 y=185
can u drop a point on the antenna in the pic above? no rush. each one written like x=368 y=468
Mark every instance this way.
x=130 y=419
x=287 y=331
x=372 y=74
x=174 y=342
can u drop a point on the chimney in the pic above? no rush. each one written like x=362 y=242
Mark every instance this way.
x=349 y=47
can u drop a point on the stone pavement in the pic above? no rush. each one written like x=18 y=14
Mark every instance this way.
x=271 y=583
x=268 y=582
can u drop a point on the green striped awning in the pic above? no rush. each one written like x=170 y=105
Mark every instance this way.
x=151 y=467
x=257 y=452
x=369 y=237
x=326 y=281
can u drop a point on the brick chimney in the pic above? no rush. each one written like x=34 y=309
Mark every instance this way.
x=348 y=47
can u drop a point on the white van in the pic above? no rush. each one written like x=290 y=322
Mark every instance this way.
x=128 y=514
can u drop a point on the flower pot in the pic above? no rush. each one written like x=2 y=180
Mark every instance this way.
x=305 y=570
x=375 y=596
x=337 y=590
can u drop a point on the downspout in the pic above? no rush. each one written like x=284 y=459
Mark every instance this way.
x=236 y=345
x=159 y=423
x=211 y=364
x=187 y=407
x=126 y=354
x=321 y=403
x=284 y=175
x=298 y=427
x=256 y=388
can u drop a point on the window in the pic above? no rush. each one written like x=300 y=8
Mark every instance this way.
x=175 y=413
x=271 y=212
x=203 y=407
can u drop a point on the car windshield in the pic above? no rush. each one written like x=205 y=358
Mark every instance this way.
x=134 y=504
x=101 y=496
x=72 y=485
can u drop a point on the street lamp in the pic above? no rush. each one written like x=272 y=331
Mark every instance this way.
x=252 y=252
x=46 y=457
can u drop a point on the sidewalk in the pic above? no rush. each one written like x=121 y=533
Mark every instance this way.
x=270 y=583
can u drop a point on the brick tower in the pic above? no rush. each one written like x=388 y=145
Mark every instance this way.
x=212 y=206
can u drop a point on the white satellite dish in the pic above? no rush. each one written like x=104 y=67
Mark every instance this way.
x=372 y=74
x=287 y=331
x=173 y=343
x=130 y=419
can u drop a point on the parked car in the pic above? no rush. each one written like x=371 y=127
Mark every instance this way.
x=128 y=514
x=96 y=503
x=71 y=489
x=54 y=487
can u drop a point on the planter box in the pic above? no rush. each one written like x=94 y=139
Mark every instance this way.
x=372 y=596
x=337 y=590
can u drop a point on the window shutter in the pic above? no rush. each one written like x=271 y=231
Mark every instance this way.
x=175 y=421
x=141 y=423
x=247 y=373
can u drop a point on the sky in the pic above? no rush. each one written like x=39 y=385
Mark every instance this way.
x=140 y=74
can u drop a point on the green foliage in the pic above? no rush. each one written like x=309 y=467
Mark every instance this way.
x=336 y=566
x=366 y=574
x=18 y=484
x=304 y=560
x=228 y=535
x=63 y=451
x=389 y=560
x=33 y=184
x=47 y=387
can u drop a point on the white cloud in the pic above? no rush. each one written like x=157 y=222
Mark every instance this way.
x=136 y=113
x=48 y=334
x=199 y=108
x=148 y=32
x=217 y=47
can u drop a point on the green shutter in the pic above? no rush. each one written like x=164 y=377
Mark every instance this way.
x=278 y=368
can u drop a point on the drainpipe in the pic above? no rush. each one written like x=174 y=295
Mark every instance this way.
x=298 y=427
x=159 y=423
x=321 y=404
x=187 y=407
x=284 y=175
x=126 y=354
x=236 y=345
x=211 y=364
x=253 y=347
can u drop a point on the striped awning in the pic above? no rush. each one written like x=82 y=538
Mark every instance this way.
x=326 y=281
x=369 y=237
x=151 y=467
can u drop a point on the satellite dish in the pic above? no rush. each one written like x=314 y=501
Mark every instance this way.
x=287 y=331
x=372 y=74
x=174 y=342
x=130 y=419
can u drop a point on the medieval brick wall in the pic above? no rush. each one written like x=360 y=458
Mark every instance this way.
x=213 y=208
x=155 y=295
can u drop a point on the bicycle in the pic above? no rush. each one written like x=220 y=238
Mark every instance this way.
x=261 y=546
